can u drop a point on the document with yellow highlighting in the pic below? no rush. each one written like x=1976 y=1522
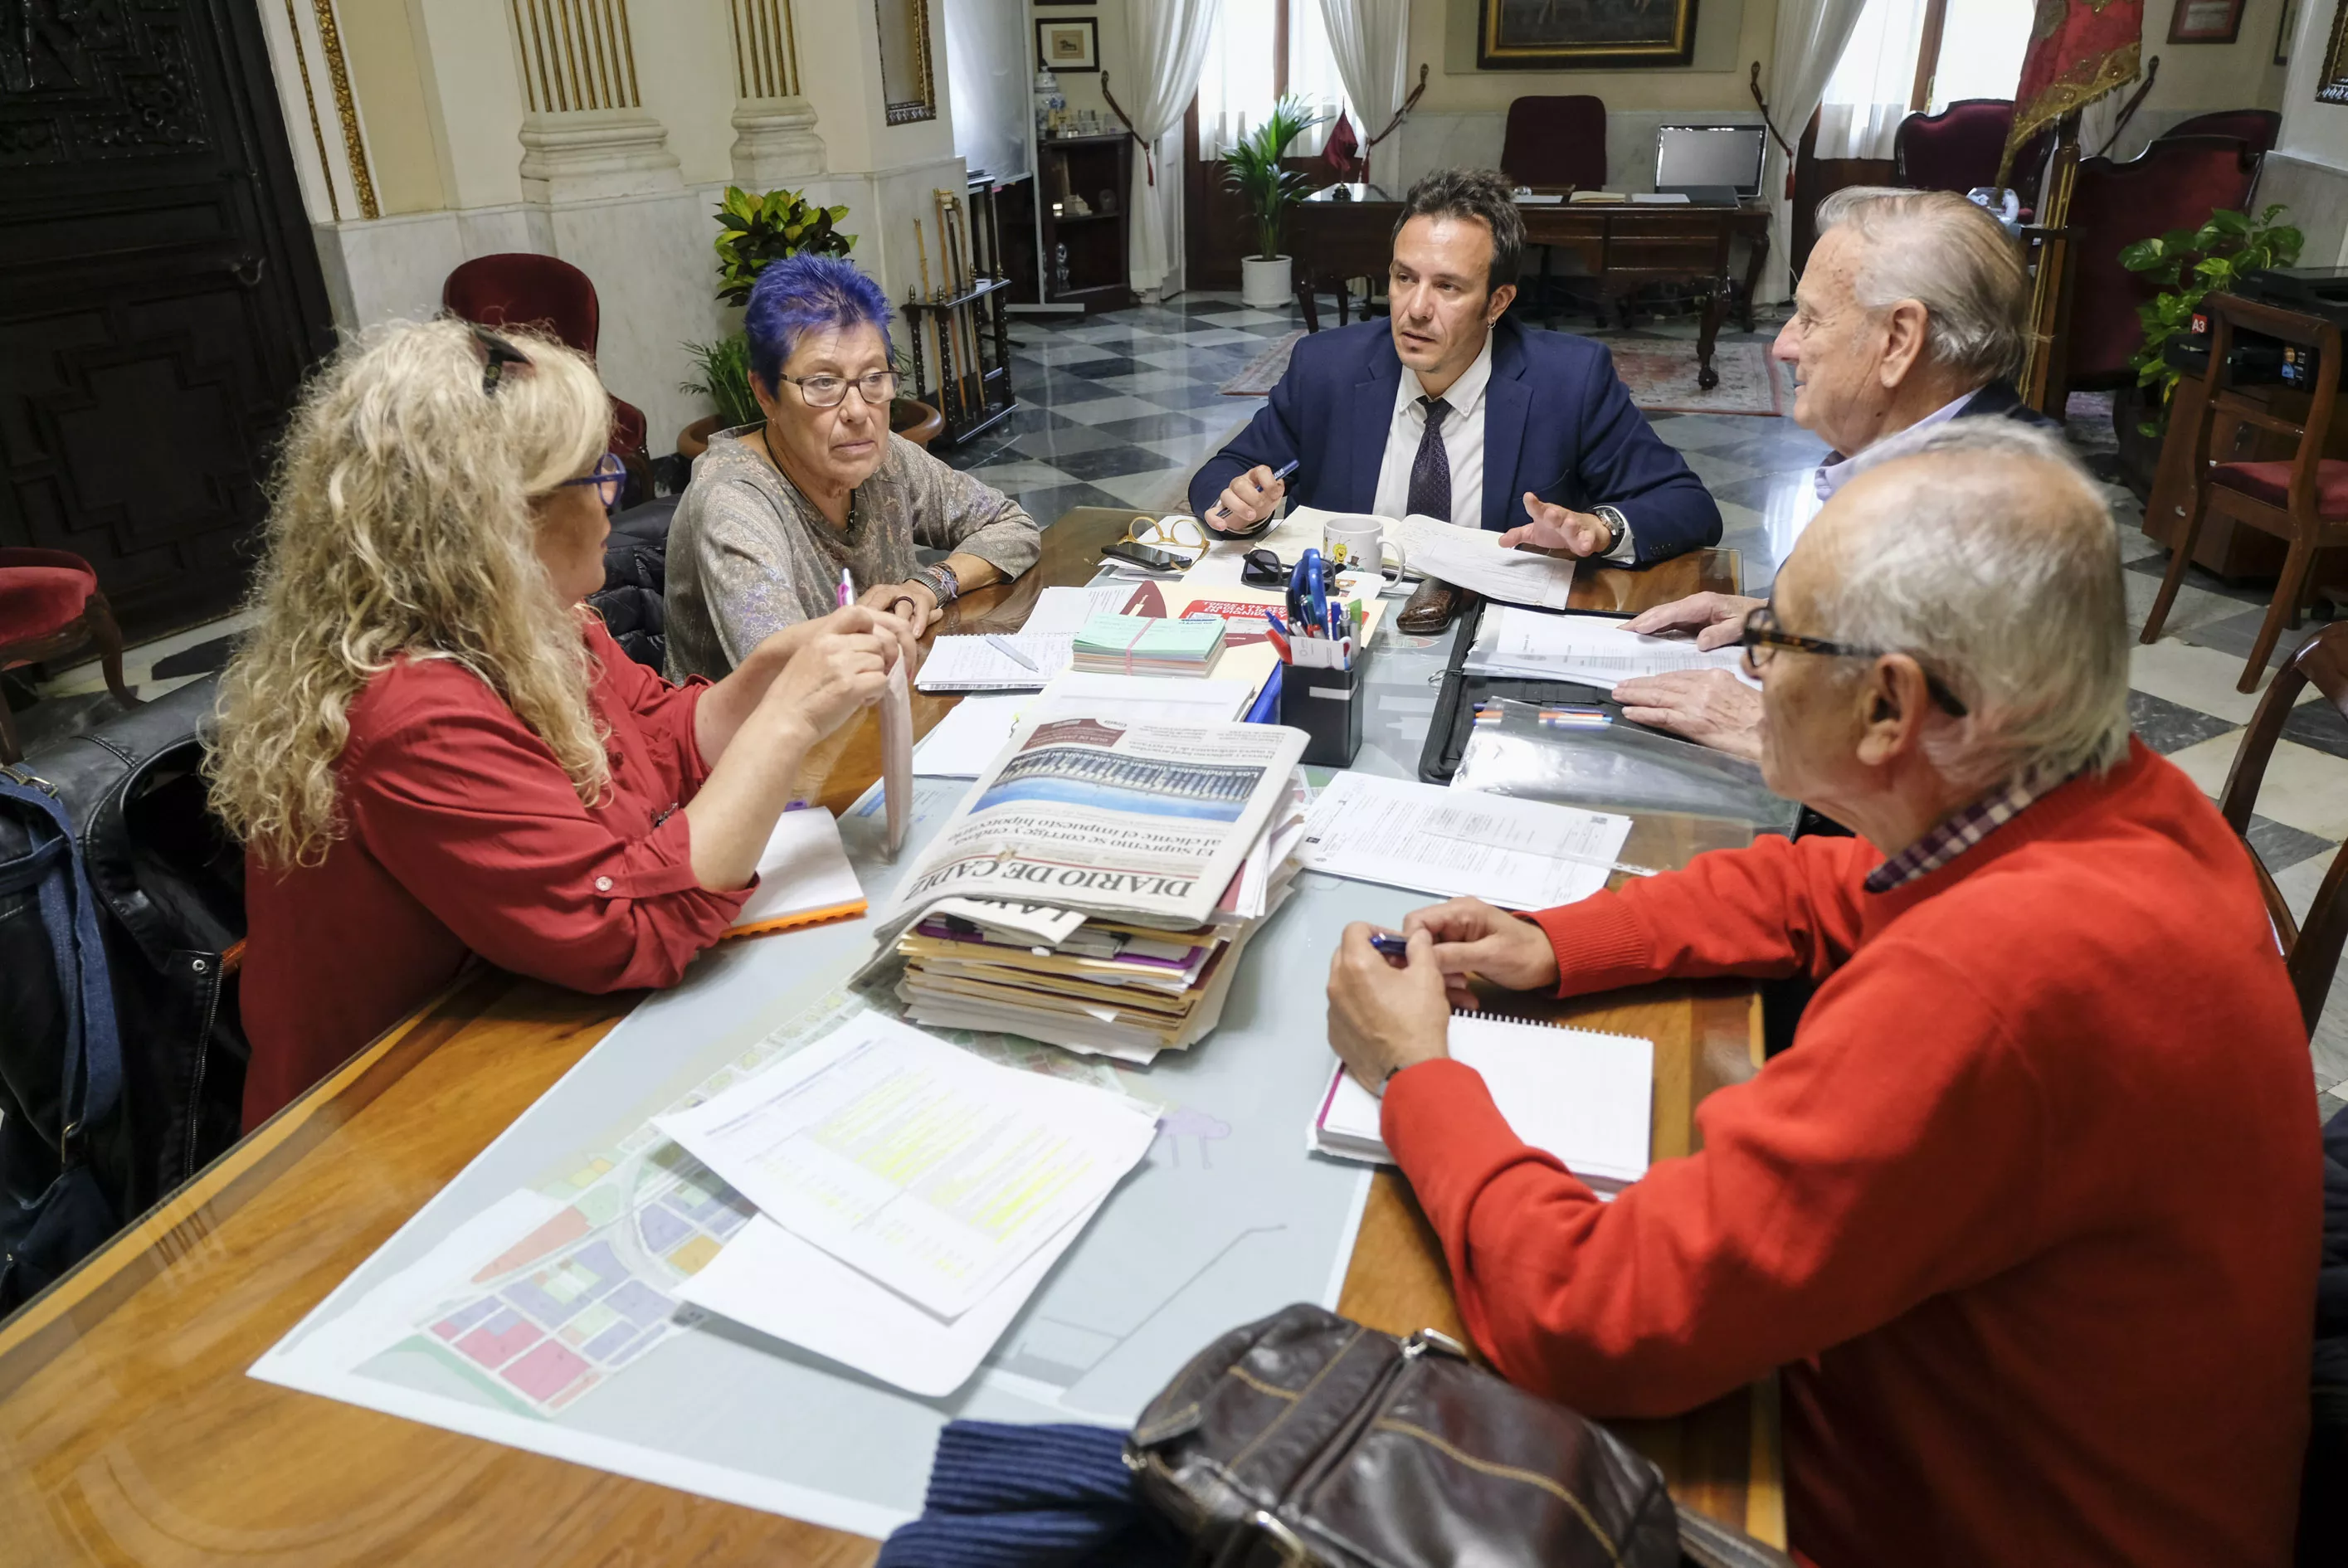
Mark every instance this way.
x=916 y=1163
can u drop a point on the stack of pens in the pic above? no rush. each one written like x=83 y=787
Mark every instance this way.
x=1319 y=632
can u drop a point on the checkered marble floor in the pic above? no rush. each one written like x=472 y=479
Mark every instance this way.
x=1119 y=409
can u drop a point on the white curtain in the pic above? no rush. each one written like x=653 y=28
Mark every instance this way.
x=1874 y=78
x=1981 y=51
x=1235 y=75
x=1169 y=41
x=1809 y=39
x=1316 y=78
x=1370 y=39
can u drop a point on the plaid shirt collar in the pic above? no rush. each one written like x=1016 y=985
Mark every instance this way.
x=1954 y=837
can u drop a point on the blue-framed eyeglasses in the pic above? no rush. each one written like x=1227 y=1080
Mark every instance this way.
x=610 y=478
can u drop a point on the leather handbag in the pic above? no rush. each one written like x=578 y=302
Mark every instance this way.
x=61 y=1074
x=1305 y=1438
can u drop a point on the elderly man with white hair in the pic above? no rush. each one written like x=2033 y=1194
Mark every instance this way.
x=1913 y=312
x=2028 y=1217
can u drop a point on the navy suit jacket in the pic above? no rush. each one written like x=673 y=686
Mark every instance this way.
x=1558 y=422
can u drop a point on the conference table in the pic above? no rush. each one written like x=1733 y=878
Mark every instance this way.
x=1345 y=231
x=130 y=1432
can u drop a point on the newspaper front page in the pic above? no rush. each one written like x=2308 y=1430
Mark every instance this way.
x=1147 y=822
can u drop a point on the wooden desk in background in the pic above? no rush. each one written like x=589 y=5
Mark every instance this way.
x=1623 y=246
x=129 y=1433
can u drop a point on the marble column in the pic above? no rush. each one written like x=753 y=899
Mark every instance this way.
x=774 y=127
x=586 y=134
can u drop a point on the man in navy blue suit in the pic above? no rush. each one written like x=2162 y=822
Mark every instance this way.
x=1446 y=409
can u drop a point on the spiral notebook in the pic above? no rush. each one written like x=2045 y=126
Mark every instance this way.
x=1582 y=1095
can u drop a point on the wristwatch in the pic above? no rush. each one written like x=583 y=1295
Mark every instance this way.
x=940 y=580
x=1618 y=525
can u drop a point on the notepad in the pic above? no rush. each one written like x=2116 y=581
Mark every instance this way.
x=1592 y=649
x=1150 y=646
x=803 y=878
x=1580 y=1095
x=985 y=664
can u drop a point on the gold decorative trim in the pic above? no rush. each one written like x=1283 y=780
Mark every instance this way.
x=317 y=132
x=576 y=54
x=329 y=41
x=2060 y=98
x=765 y=48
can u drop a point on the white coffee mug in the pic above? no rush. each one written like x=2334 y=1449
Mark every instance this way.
x=1356 y=541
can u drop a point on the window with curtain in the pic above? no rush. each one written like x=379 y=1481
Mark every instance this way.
x=1967 y=48
x=1240 y=78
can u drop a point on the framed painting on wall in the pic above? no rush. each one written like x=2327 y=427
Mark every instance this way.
x=2332 y=81
x=2206 y=21
x=909 y=90
x=1570 y=34
x=1070 y=46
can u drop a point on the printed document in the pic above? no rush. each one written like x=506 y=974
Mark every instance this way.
x=917 y=1163
x=1062 y=612
x=1592 y=649
x=1472 y=558
x=966 y=742
x=1517 y=854
x=986 y=664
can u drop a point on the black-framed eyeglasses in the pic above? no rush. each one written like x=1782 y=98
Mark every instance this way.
x=496 y=353
x=1262 y=569
x=875 y=387
x=1762 y=637
x=610 y=478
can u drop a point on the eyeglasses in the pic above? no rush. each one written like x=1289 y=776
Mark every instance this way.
x=1762 y=637
x=496 y=353
x=875 y=387
x=1167 y=533
x=610 y=478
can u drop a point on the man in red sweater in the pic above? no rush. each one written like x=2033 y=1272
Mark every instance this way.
x=2028 y=1216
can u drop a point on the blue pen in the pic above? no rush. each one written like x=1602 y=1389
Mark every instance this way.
x=1285 y=470
x=1389 y=945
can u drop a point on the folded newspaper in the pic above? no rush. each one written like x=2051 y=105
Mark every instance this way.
x=1095 y=888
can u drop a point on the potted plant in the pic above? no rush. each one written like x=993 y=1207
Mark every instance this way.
x=1253 y=169
x=2186 y=264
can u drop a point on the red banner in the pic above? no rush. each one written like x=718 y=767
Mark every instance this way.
x=2079 y=50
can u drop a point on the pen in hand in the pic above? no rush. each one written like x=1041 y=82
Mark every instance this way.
x=847 y=589
x=1279 y=476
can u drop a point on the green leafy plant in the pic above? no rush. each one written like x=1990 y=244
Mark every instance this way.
x=1253 y=169
x=757 y=229
x=2189 y=263
x=725 y=367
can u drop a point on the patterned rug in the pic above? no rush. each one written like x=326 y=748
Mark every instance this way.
x=1263 y=372
x=1660 y=371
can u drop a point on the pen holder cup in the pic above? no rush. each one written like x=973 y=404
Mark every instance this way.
x=1326 y=705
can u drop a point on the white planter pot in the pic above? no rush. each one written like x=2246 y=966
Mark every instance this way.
x=1264 y=285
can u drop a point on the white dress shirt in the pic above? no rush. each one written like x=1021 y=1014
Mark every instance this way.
x=1463 y=445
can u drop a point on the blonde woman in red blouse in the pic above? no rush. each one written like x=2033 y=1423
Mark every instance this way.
x=431 y=749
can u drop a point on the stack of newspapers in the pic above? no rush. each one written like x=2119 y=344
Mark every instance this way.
x=1097 y=887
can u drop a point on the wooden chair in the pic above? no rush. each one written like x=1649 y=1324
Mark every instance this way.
x=2310 y=951
x=2304 y=501
x=50 y=604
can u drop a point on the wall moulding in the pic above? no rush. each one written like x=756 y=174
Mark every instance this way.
x=576 y=54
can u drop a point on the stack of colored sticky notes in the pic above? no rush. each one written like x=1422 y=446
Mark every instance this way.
x=1149 y=645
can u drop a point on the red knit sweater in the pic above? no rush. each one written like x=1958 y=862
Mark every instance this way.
x=2029 y=1215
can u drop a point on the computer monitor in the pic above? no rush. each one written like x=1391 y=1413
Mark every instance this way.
x=1689 y=156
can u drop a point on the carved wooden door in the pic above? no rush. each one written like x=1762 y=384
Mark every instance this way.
x=159 y=293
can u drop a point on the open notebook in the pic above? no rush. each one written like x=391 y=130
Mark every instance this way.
x=1578 y=1093
x=804 y=878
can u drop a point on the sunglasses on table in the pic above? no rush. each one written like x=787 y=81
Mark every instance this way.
x=1262 y=569
x=1763 y=636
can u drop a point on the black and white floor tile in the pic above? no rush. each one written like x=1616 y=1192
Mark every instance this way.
x=1119 y=409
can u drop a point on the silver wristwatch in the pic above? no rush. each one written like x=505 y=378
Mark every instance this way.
x=1618 y=525
x=940 y=580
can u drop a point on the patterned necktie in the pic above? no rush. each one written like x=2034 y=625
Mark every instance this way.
x=1430 y=471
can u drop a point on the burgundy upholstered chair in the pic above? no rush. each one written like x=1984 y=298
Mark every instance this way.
x=2259 y=126
x=50 y=604
x=1959 y=148
x=2175 y=183
x=520 y=289
x=1556 y=141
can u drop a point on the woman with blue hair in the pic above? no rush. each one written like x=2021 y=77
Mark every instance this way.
x=775 y=511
